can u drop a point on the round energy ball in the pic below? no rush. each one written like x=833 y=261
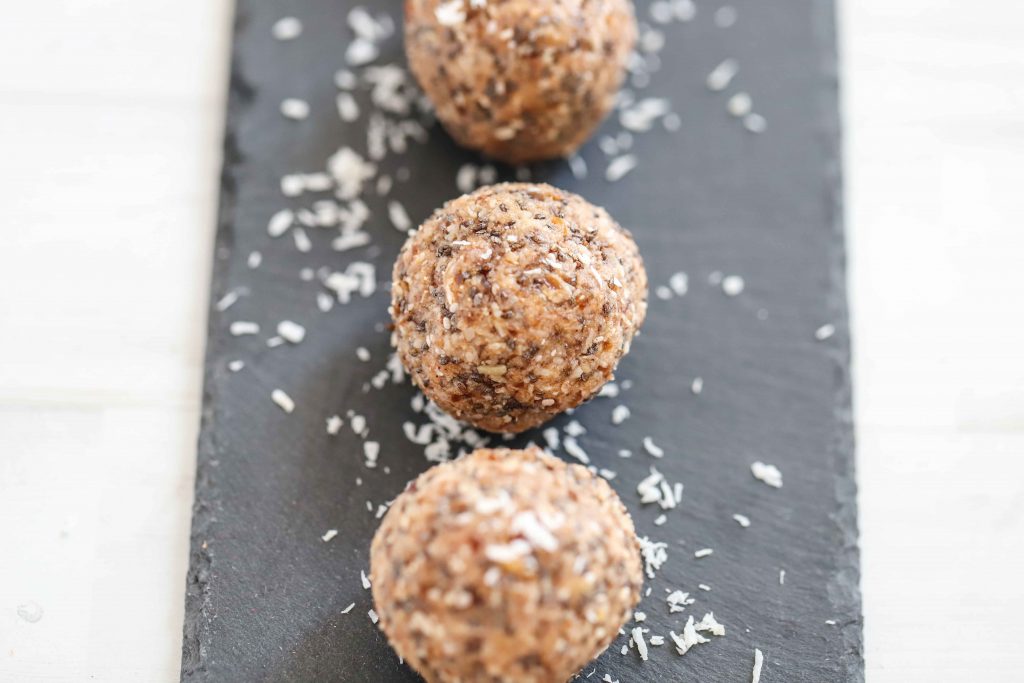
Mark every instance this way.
x=515 y=303
x=520 y=80
x=505 y=565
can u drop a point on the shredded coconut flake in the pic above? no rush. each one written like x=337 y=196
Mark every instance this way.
x=755 y=123
x=769 y=474
x=641 y=645
x=755 y=676
x=742 y=520
x=399 y=218
x=331 y=533
x=287 y=28
x=241 y=328
x=291 y=332
x=334 y=424
x=575 y=450
x=283 y=400
x=721 y=76
x=732 y=285
x=652 y=448
x=295 y=109
x=825 y=332
x=451 y=13
x=280 y=222
x=619 y=167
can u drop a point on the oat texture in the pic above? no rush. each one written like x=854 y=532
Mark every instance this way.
x=515 y=303
x=505 y=565
x=520 y=80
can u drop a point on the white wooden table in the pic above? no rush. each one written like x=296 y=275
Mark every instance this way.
x=110 y=124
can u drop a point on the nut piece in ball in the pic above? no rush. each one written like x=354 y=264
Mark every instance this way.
x=520 y=80
x=504 y=566
x=515 y=303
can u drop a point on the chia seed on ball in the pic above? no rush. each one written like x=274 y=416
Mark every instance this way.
x=515 y=303
x=504 y=566
x=520 y=80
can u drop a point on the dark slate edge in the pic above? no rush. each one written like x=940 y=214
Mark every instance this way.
x=199 y=610
x=844 y=586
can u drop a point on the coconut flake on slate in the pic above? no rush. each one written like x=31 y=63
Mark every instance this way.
x=755 y=676
x=291 y=332
x=283 y=400
x=295 y=109
x=574 y=428
x=769 y=474
x=782 y=577
x=739 y=105
x=679 y=283
x=824 y=332
x=254 y=260
x=703 y=552
x=710 y=624
x=330 y=533
x=755 y=123
x=697 y=385
x=721 y=76
x=334 y=424
x=573 y=448
x=287 y=28
x=227 y=301
x=236 y=365
x=652 y=448
x=371 y=449
x=678 y=600
x=280 y=222
x=619 y=167
x=688 y=639
x=641 y=646
x=725 y=16
x=241 y=327
x=578 y=167
x=348 y=109
x=742 y=520
x=399 y=218
x=654 y=554
x=620 y=414
x=732 y=285
x=364 y=580
x=552 y=438
x=373 y=616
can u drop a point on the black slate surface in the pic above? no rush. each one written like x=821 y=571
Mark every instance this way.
x=264 y=593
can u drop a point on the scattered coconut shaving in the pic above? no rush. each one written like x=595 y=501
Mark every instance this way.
x=283 y=400
x=769 y=474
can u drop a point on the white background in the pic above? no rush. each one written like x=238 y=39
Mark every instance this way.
x=110 y=123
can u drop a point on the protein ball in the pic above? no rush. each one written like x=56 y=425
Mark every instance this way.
x=515 y=303
x=520 y=80
x=505 y=565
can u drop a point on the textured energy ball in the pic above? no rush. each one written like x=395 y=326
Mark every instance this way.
x=515 y=303
x=520 y=80
x=504 y=566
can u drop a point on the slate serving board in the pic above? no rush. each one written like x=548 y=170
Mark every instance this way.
x=264 y=592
